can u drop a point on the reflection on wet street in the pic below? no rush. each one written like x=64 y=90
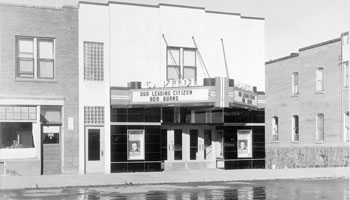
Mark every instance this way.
x=278 y=189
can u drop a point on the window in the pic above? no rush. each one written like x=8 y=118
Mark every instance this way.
x=295 y=84
x=93 y=61
x=346 y=126
x=319 y=79
x=189 y=64
x=173 y=64
x=181 y=63
x=320 y=127
x=295 y=128
x=17 y=113
x=94 y=115
x=16 y=135
x=35 y=58
x=346 y=74
x=274 y=128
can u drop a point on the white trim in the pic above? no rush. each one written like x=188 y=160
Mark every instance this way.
x=18 y=153
x=244 y=124
x=31 y=102
x=136 y=123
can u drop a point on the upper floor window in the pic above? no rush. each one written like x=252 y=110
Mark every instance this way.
x=346 y=74
x=346 y=126
x=181 y=63
x=35 y=58
x=93 y=61
x=274 y=128
x=320 y=127
x=295 y=83
x=295 y=128
x=319 y=79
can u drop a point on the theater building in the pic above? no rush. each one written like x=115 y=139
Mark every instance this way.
x=307 y=108
x=159 y=88
x=38 y=90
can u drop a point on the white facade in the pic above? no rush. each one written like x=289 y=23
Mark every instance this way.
x=134 y=48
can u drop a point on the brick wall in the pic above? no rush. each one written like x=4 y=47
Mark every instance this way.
x=308 y=103
x=23 y=167
x=58 y=23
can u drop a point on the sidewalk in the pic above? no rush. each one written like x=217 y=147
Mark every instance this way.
x=179 y=176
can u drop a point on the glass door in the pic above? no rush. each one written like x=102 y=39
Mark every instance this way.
x=208 y=150
x=178 y=144
x=219 y=144
x=94 y=150
x=193 y=144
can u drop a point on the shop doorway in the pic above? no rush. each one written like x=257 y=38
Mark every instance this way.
x=51 y=150
x=189 y=147
x=94 y=150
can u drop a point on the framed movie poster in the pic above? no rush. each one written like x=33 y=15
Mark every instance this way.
x=244 y=143
x=136 y=144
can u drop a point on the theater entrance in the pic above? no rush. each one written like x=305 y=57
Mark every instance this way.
x=189 y=147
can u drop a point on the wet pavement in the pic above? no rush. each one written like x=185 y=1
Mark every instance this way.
x=270 y=189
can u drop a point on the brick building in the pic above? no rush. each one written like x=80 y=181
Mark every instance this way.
x=38 y=90
x=307 y=107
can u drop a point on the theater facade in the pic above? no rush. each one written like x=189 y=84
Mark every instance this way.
x=215 y=125
x=161 y=87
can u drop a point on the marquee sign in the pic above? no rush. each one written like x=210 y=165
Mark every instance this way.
x=170 y=83
x=178 y=95
x=245 y=98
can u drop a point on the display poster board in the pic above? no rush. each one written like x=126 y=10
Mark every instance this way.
x=244 y=143
x=179 y=95
x=136 y=144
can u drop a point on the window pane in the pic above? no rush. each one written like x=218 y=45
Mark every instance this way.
x=173 y=73
x=45 y=69
x=93 y=61
x=174 y=57
x=16 y=135
x=319 y=79
x=346 y=74
x=25 y=46
x=93 y=144
x=320 y=127
x=189 y=58
x=25 y=67
x=189 y=73
x=46 y=49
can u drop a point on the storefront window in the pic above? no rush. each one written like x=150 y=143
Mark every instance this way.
x=14 y=135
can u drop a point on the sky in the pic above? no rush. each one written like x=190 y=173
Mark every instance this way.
x=289 y=24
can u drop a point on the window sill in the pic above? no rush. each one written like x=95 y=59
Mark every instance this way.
x=274 y=141
x=320 y=142
x=295 y=142
x=36 y=80
x=319 y=92
x=295 y=95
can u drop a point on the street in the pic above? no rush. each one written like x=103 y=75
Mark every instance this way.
x=271 y=189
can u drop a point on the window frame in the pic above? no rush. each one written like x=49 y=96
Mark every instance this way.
x=319 y=117
x=346 y=74
x=295 y=83
x=45 y=59
x=346 y=127
x=180 y=68
x=295 y=129
x=18 y=58
x=187 y=66
x=320 y=79
x=274 y=127
x=35 y=75
x=91 y=77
